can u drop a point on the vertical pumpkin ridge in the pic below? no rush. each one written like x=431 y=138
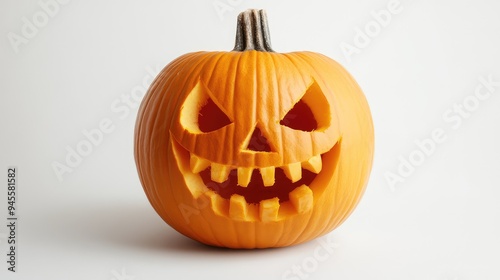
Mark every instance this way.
x=166 y=85
x=210 y=69
x=278 y=93
x=254 y=231
x=266 y=99
x=326 y=225
x=344 y=193
x=187 y=84
x=335 y=182
x=254 y=92
x=232 y=61
x=266 y=76
x=209 y=225
x=363 y=171
x=146 y=103
x=192 y=77
x=203 y=70
x=365 y=168
x=186 y=230
x=348 y=196
x=350 y=201
x=139 y=136
x=321 y=224
x=147 y=113
x=197 y=61
x=306 y=226
x=235 y=230
x=234 y=75
x=297 y=66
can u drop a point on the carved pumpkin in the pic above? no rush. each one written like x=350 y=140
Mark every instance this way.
x=252 y=148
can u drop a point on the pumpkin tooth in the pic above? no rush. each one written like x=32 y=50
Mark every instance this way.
x=269 y=209
x=293 y=171
x=198 y=164
x=301 y=198
x=244 y=176
x=238 y=207
x=219 y=172
x=216 y=202
x=267 y=174
x=314 y=164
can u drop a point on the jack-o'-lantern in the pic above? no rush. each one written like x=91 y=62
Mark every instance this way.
x=252 y=148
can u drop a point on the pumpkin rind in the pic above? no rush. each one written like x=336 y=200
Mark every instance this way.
x=255 y=89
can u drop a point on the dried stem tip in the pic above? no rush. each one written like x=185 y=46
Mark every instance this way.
x=252 y=32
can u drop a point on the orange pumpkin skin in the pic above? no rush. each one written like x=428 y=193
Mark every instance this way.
x=195 y=179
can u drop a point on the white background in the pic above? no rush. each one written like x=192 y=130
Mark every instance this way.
x=442 y=222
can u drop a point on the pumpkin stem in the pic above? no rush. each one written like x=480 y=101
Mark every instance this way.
x=252 y=32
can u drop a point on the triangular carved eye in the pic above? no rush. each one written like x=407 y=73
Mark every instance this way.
x=311 y=112
x=211 y=117
x=300 y=118
x=200 y=113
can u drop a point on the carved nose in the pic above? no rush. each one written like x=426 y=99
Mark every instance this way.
x=258 y=142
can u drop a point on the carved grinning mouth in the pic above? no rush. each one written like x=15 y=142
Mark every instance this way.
x=256 y=191
x=253 y=194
